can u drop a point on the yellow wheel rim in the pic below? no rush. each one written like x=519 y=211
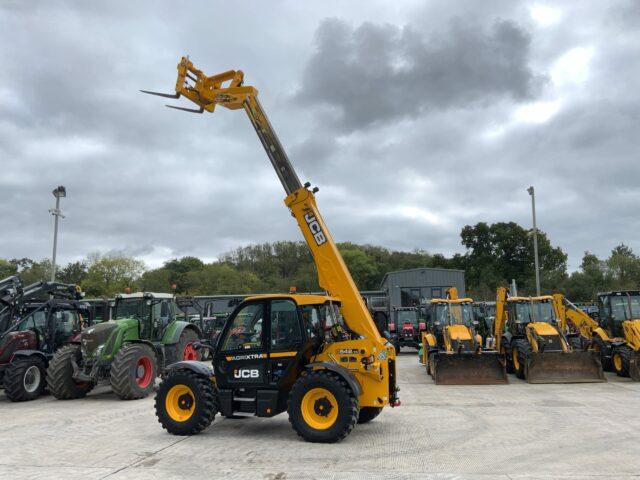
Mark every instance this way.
x=180 y=403
x=617 y=362
x=514 y=356
x=319 y=408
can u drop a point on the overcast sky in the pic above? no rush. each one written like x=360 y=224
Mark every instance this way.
x=414 y=118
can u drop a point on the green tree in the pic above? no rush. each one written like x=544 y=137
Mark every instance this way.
x=362 y=267
x=624 y=268
x=7 y=268
x=179 y=269
x=111 y=274
x=157 y=280
x=221 y=278
x=74 y=272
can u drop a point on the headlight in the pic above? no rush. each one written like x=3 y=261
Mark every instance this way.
x=99 y=350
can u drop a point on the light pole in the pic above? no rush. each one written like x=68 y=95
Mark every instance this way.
x=535 y=238
x=58 y=193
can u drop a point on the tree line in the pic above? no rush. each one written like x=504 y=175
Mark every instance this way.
x=494 y=255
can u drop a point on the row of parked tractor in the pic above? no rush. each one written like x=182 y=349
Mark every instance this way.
x=543 y=339
x=53 y=338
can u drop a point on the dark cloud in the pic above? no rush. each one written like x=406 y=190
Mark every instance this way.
x=378 y=73
x=411 y=126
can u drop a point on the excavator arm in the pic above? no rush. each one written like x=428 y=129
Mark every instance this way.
x=501 y=316
x=227 y=90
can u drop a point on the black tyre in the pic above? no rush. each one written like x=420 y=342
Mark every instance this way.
x=431 y=364
x=605 y=356
x=520 y=351
x=60 y=380
x=186 y=403
x=183 y=350
x=506 y=351
x=134 y=371
x=24 y=379
x=368 y=413
x=621 y=360
x=322 y=407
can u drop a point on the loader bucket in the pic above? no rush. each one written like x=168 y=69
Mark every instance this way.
x=564 y=367
x=487 y=368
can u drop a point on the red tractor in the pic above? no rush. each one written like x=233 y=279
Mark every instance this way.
x=407 y=327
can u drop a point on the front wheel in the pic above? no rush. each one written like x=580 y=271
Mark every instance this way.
x=185 y=403
x=621 y=359
x=134 y=371
x=322 y=407
x=60 y=374
x=184 y=349
x=520 y=351
x=25 y=379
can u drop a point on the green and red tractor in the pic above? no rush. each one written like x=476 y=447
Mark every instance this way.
x=129 y=351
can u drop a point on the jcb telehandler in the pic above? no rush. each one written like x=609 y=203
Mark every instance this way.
x=128 y=351
x=452 y=349
x=527 y=331
x=318 y=357
x=615 y=337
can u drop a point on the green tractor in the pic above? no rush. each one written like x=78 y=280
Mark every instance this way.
x=129 y=351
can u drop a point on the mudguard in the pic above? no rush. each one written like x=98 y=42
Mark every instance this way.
x=564 y=367
x=194 y=366
x=469 y=368
x=29 y=353
x=175 y=329
x=343 y=372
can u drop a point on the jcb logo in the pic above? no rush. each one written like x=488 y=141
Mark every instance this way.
x=316 y=230
x=246 y=373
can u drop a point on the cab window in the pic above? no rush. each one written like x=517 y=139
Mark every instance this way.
x=246 y=331
x=311 y=320
x=285 y=327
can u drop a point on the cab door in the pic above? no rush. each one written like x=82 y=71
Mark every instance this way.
x=285 y=342
x=241 y=354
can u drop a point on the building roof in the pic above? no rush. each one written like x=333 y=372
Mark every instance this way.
x=431 y=269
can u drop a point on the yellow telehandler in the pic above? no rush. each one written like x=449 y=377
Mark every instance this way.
x=452 y=350
x=527 y=331
x=615 y=337
x=320 y=358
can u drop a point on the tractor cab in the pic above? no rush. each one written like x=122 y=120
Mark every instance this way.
x=446 y=312
x=617 y=307
x=408 y=326
x=153 y=311
x=522 y=311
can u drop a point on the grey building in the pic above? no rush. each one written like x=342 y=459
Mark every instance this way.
x=407 y=288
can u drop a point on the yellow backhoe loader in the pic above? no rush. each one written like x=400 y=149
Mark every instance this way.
x=452 y=350
x=615 y=336
x=526 y=330
x=321 y=358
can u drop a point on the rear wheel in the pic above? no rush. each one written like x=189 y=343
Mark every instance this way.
x=368 y=413
x=322 y=407
x=185 y=403
x=134 y=371
x=25 y=379
x=621 y=359
x=183 y=350
x=520 y=351
x=430 y=364
x=60 y=380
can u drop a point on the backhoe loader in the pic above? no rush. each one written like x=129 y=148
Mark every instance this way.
x=615 y=337
x=452 y=350
x=526 y=330
x=320 y=357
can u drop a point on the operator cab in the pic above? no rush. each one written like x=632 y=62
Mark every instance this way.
x=617 y=307
x=525 y=310
x=265 y=344
x=154 y=311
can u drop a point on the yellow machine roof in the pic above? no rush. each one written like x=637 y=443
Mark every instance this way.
x=299 y=298
x=542 y=298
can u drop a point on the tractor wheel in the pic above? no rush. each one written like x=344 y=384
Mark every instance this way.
x=24 y=379
x=183 y=350
x=322 y=407
x=520 y=351
x=600 y=347
x=506 y=351
x=621 y=359
x=185 y=403
x=430 y=364
x=134 y=371
x=368 y=413
x=60 y=380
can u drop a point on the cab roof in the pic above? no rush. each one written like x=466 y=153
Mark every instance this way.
x=542 y=298
x=299 y=298
x=143 y=295
x=449 y=300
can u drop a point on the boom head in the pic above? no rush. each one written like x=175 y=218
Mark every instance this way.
x=224 y=89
